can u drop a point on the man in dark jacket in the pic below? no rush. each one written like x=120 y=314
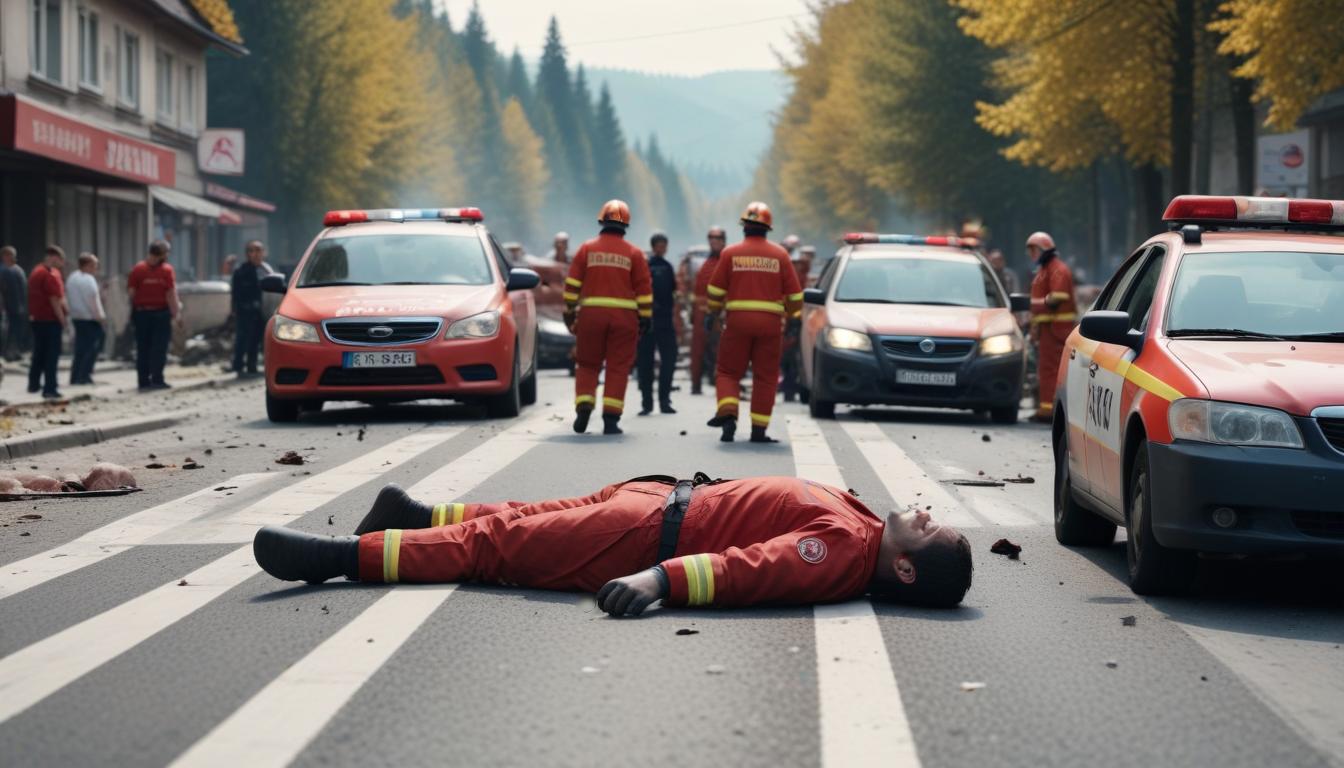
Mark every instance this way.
x=663 y=336
x=14 y=293
x=248 y=319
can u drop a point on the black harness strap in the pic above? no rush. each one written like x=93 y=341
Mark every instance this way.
x=675 y=511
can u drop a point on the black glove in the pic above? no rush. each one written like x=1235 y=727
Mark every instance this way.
x=792 y=327
x=571 y=316
x=645 y=323
x=630 y=595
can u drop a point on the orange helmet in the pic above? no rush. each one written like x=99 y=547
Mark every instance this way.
x=758 y=213
x=1041 y=240
x=614 y=213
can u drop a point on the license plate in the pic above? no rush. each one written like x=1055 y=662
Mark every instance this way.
x=378 y=360
x=933 y=378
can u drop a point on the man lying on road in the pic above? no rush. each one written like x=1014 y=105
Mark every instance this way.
x=689 y=542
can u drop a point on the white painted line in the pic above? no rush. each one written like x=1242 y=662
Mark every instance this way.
x=119 y=535
x=905 y=481
x=39 y=670
x=276 y=724
x=862 y=719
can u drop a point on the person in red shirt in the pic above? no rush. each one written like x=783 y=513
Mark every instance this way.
x=48 y=314
x=705 y=341
x=1054 y=312
x=688 y=543
x=152 y=286
x=756 y=283
x=608 y=306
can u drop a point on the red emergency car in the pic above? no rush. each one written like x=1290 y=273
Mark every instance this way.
x=402 y=305
x=1201 y=403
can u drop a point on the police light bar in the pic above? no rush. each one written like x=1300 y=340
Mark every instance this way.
x=1252 y=211
x=339 y=218
x=865 y=238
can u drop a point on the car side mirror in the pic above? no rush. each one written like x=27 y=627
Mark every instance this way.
x=523 y=279
x=274 y=283
x=814 y=296
x=1019 y=302
x=1108 y=327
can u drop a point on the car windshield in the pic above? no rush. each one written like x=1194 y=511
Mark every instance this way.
x=919 y=281
x=418 y=259
x=1284 y=295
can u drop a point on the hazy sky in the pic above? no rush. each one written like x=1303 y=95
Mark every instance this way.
x=674 y=35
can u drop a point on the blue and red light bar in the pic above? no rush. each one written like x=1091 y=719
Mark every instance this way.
x=1252 y=211
x=339 y=218
x=869 y=238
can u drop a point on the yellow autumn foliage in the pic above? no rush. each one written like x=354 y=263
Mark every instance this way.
x=523 y=171
x=219 y=16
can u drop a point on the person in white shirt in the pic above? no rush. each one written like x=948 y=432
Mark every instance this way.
x=86 y=311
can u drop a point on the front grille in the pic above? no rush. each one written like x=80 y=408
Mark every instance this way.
x=1326 y=525
x=482 y=372
x=291 y=376
x=908 y=347
x=420 y=375
x=1334 y=431
x=388 y=331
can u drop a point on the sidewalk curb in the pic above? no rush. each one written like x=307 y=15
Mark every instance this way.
x=75 y=437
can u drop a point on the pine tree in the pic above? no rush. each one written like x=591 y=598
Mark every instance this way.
x=609 y=151
x=569 y=155
x=516 y=84
x=523 y=172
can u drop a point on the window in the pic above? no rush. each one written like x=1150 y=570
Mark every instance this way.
x=499 y=258
x=933 y=280
x=1114 y=292
x=189 y=97
x=388 y=259
x=1140 y=299
x=46 y=47
x=129 y=71
x=163 y=84
x=1286 y=294
x=828 y=274
x=89 y=73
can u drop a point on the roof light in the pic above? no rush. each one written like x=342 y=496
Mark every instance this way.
x=1255 y=210
x=867 y=238
x=339 y=218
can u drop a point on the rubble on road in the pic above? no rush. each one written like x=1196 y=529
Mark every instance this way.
x=293 y=458
x=103 y=479
x=1006 y=547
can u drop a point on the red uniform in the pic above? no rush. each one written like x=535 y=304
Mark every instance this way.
x=756 y=283
x=742 y=542
x=153 y=285
x=1051 y=325
x=609 y=282
x=699 y=336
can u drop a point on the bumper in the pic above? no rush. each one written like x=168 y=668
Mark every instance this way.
x=1286 y=500
x=458 y=369
x=554 y=350
x=869 y=378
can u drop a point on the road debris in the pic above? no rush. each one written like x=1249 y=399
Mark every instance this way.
x=968 y=687
x=984 y=438
x=182 y=583
x=1023 y=479
x=191 y=464
x=360 y=436
x=226 y=488
x=155 y=465
x=590 y=670
x=977 y=483
x=688 y=631
x=30 y=517
x=1006 y=547
x=292 y=458
x=1129 y=621
x=716 y=669
x=331 y=519
x=1112 y=664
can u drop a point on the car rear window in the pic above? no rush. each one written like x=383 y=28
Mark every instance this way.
x=397 y=259
x=918 y=281
x=1282 y=294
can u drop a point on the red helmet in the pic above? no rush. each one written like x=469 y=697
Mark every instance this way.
x=1041 y=240
x=614 y=212
x=758 y=213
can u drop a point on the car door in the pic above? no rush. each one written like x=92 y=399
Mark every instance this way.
x=1109 y=394
x=524 y=311
x=814 y=318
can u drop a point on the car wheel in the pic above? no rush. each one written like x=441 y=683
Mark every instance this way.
x=509 y=403
x=1153 y=568
x=1075 y=526
x=821 y=409
x=528 y=391
x=281 y=411
x=310 y=406
x=1006 y=415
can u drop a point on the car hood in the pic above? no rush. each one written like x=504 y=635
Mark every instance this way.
x=918 y=319
x=1293 y=376
x=447 y=301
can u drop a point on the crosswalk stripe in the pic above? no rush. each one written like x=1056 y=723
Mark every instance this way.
x=120 y=535
x=904 y=480
x=31 y=674
x=277 y=723
x=862 y=718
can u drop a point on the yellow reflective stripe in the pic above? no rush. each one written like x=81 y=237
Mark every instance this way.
x=796 y=296
x=612 y=402
x=692 y=580
x=699 y=579
x=1061 y=295
x=796 y=313
x=581 y=399
x=1064 y=317
x=439 y=516
x=571 y=296
x=575 y=282
x=391 y=554
x=1147 y=381
x=645 y=299
x=608 y=301
x=646 y=312
x=755 y=306
x=715 y=290
x=729 y=401
x=714 y=306
x=760 y=419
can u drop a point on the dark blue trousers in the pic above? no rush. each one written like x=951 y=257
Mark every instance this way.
x=153 y=332
x=664 y=342
x=46 y=351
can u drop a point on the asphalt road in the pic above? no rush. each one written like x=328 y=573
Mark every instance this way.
x=107 y=658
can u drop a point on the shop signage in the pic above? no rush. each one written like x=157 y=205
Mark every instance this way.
x=1284 y=162
x=232 y=197
x=220 y=151
x=27 y=127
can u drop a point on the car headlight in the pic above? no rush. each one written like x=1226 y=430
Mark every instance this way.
x=552 y=327
x=287 y=329
x=1003 y=344
x=1210 y=421
x=843 y=338
x=481 y=326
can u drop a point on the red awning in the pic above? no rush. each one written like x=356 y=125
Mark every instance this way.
x=230 y=217
x=39 y=130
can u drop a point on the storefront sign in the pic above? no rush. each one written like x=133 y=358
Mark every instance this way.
x=27 y=127
x=1283 y=162
x=235 y=198
x=220 y=151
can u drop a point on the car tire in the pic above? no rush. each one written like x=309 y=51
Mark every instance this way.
x=1074 y=525
x=509 y=403
x=821 y=409
x=281 y=411
x=1153 y=568
x=1006 y=415
x=310 y=406
x=528 y=392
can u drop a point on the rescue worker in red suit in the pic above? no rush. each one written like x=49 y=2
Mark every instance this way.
x=704 y=340
x=608 y=306
x=1054 y=312
x=688 y=543
x=756 y=283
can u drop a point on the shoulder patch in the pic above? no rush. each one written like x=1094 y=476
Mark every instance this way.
x=812 y=549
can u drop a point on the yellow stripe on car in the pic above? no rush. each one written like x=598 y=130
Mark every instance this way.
x=1147 y=381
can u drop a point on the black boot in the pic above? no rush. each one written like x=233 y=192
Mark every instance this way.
x=293 y=555
x=581 y=419
x=666 y=407
x=394 y=508
x=611 y=424
x=647 y=407
x=758 y=435
x=695 y=388
x=729 y=431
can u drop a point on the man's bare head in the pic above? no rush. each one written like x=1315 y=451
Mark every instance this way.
x=921 y=562
x=8 y=255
